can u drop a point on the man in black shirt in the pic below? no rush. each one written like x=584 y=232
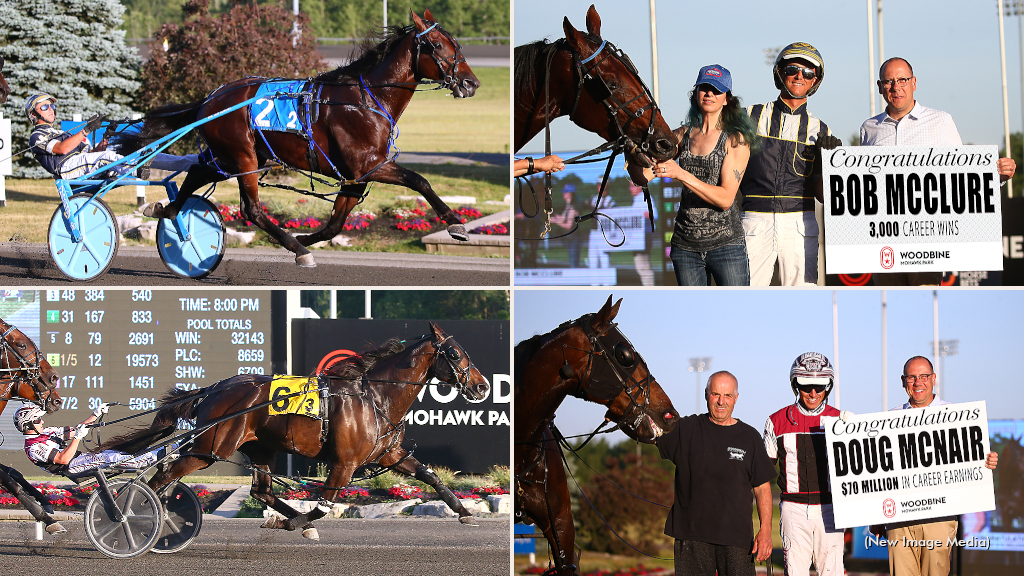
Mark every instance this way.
x=719 y=461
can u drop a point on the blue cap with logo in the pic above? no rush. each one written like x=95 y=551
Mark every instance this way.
x=717 y=76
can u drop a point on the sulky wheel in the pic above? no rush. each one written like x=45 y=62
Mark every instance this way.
x=92 y=256
x=198 y=256
x=140 y=527
x=182 y=520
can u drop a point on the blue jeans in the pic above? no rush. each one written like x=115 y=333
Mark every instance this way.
x=727 y=264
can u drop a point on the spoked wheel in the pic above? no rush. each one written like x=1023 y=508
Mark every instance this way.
x=182 y=521
x=93 y=256
x=198 y=256
x=142 y=519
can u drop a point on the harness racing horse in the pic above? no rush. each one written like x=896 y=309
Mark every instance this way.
x=594 y=83
x=588 y=358
x=5 y=90
x=352 y=125
x=369 y=397
x=26 y=375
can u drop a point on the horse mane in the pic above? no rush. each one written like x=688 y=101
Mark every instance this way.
x=530 y=59
x=371 y=52
x=355 y=367
x=527 y=349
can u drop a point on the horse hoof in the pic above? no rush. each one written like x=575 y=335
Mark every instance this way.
x=468 y=520
x=153 y=210
x=305 y=261
x=55 y=528
x=273 y=522
x=311 y=533
x=458 y=232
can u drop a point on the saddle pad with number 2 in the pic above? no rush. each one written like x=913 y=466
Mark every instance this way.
x=282 y=389
x=277 y=106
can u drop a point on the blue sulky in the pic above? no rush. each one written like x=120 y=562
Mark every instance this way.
x=85 y=239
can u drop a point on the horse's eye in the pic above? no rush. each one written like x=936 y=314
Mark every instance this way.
x=624 y=354
x=453 y=355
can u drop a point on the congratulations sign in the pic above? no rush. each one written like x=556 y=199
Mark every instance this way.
x=912 y=209
x=901 y=465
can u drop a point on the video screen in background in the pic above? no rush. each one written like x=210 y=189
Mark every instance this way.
x=995 y=539
x=599 y=252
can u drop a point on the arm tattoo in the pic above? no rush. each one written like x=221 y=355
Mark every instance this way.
x=738 y=174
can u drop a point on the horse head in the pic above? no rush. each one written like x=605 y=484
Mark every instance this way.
x=5 y=90
x=451 y=364
x=437 y=49
x=619 y=379
x=24 y=372
x=612 y=101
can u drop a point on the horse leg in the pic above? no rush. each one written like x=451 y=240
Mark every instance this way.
x=338 y=477
x=249 y=194
x=412 y=467
x=33 y=501
x=392 y=173
x=342 y=206
x=549 y=506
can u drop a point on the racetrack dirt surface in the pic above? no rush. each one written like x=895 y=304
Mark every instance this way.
x=27 y=264
x=240 y=547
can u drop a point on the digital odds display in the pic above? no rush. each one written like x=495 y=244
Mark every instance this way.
x=131 y=346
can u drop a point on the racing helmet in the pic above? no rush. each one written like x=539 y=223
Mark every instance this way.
x=811 y=368
x=802 y=51
x=34 y=100
x=25 y=415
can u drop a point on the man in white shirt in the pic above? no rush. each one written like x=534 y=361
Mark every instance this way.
x=906 y=122
x=919 y=381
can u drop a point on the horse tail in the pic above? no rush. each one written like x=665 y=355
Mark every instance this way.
x=177 y=404
x=155 y=125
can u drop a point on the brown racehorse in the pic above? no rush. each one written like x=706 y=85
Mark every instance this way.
x=594 y=84
x=26 y=375
x=355 y=110
x=370 y=395
x=5 y=90
x=590 y=359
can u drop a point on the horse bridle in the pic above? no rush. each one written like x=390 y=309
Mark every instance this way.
x=590 y=79
x=446 y=66
x=620 y=358
x=446 y=350
x=27 y=371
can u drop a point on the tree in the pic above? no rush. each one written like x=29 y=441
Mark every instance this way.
x=72 y=49
x=206 y=50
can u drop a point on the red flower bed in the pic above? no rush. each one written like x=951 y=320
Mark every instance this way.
x=307 y=222
x=405 y=492
x=417 y=224
x=500 y=229
x=489 y=490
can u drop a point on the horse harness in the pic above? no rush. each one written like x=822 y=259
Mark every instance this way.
x=595 y=84
x=31 y=370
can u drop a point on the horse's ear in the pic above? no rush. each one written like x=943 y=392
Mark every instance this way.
x=428 y=15
x=438 y=333
x=572 y=35
x=593 y=21
x=420 y=25
x=607 y=313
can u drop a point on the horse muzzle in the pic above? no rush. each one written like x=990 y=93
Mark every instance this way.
x=465 y=87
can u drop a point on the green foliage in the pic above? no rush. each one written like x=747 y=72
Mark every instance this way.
x=413 y=305
x=72 y=49
x=639 y=523
x=382 y=482
x=207 y=50
x=500 y=475
x=340 y=18
x=441 y=304
x=251 y=508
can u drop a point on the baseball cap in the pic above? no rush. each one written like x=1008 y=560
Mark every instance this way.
x=717 y=76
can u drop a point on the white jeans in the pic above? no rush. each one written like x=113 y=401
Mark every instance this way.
x=809 y=535
x=87 y=460
x=82 y=164
x=790 y=237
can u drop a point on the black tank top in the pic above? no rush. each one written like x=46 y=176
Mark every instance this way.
x=700 y=225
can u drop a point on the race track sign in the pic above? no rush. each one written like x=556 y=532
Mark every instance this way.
x=901 y=465
x=911 y=209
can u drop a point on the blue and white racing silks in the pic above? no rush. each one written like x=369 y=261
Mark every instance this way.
x=277 y=106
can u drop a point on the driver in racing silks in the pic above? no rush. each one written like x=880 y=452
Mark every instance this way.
x=54 y=449
x=794 y=438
